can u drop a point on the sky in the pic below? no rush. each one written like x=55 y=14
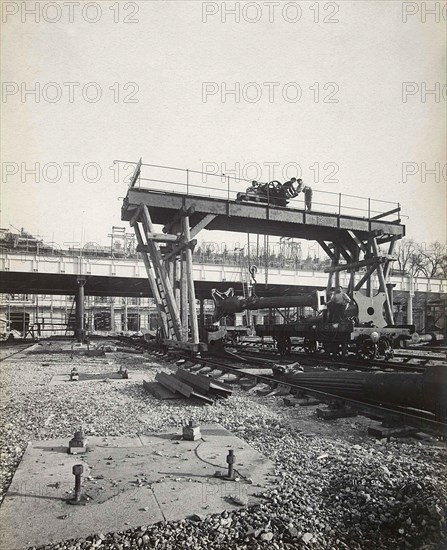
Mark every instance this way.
x=340 y=89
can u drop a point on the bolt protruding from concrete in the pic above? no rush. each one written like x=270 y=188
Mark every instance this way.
x=78 y=470
x=191 y=431
x=124 y=374
x=230 y=461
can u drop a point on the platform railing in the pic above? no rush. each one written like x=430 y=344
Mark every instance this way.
x=169 y=179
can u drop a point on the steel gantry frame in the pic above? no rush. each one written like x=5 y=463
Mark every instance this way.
x=352 y=243
x=357 y=253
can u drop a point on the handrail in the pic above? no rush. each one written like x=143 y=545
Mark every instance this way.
x=228 y=191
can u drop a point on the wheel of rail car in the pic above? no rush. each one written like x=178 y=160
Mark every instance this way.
x=332 y=349
x=339 y=350
x=385 y=348
x=310 y=346
x=284 y=345
x=368 y=350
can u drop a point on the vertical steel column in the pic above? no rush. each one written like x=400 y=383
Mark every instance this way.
x=389 y=289
x=112 y=314
x=266 y=259
x=337 y=261
x=190 y=281
x=202 y=313
x=410 y=302
x=177 y=278
x=329 y=280
x=184 y=299
x=368 y=280
x=125 y=321
x=79 y=330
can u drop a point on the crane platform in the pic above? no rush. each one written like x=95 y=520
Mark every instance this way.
x=231 y=215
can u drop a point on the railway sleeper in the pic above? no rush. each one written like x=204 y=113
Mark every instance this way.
x=307 y=401
x=336 y=410
x=399 y=430
x=196 y=367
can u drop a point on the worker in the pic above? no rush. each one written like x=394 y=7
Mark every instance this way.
x=339 y=302
x=262 y=189
x=289 y=189
x=300 y=185
x=307 y=197
x=327 y=314
x=252 y=188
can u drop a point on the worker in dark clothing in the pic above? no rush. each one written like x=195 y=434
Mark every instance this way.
x=339 y=302
x=253 y=187
x=327 y=314
x=307 y=197
x=289 y=189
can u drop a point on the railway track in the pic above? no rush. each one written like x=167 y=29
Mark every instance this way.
x=8 y=349
x=401 y=416
x=403 y=361
x=419 y=420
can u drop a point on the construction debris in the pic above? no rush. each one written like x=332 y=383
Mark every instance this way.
x=187 y=384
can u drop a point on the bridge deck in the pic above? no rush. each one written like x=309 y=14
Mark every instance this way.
x=256 y=218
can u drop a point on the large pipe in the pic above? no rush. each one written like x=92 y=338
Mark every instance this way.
x=426 y=391
x=228 y=304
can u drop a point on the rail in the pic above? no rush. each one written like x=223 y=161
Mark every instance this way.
x=170 y=179
x=417 y=419
x=261 y=355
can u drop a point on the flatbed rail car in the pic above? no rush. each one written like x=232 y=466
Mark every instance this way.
x=338 y=339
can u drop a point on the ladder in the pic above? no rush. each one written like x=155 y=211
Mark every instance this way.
x=161 y=285
x=164 y=309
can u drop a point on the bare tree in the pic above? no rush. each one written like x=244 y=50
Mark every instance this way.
x=407 y=253
x=434 y=260
x=417 y=259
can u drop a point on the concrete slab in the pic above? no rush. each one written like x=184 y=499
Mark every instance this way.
x=130 y=481
x=134 y=375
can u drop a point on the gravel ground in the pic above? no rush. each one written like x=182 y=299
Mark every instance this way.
x=338 y=488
